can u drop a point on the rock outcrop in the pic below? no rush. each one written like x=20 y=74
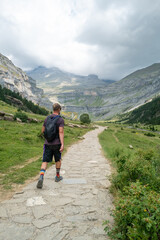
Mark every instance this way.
x=17 y=80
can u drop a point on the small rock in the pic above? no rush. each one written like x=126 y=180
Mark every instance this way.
x=81 y=138
x=20 y=192
x=18 y=120
x=130 y=146
x=32 y=120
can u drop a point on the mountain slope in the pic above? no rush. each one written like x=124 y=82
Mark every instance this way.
x=148 y=113
x=98 y=97
x=132 y=90
x=16 y=80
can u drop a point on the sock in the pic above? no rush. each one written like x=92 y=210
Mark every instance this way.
x=57 y=172
x=42 y=173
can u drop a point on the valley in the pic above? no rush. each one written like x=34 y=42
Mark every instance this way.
x=102 y=99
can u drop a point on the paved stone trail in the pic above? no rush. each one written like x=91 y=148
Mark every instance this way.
x=73 y=209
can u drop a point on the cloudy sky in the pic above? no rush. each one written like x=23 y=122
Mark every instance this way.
x=110 y=38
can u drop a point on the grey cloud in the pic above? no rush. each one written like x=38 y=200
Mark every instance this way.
x=118 y=38
x=135 y=42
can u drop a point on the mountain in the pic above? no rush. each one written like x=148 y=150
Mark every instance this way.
x=149 y=113
x=17 y=80
x=77 y=93
x=101 y=98
x=133 y=90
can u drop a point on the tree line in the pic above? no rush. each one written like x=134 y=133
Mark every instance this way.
x=27 y=105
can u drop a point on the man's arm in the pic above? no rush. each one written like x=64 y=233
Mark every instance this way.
x=61 y=136
x=43 y=129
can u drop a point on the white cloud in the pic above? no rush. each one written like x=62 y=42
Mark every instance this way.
x=108 y=38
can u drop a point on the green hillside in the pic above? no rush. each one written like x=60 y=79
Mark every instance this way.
x=148 y=113
x=15 y=99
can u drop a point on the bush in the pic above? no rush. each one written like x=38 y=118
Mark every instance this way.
x=149 y=134
x=141 y=167
x=21 y=115
x=84 y=118
x=136 y=214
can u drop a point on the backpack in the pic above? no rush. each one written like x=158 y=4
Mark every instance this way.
x=51 y=132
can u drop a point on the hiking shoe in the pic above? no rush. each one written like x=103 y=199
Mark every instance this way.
x=57 y=179
x=40 y=183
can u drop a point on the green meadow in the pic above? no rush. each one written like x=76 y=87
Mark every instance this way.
x=119 y=137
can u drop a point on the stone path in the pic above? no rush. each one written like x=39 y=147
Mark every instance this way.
x=73 y=209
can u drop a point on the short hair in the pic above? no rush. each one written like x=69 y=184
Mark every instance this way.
x=56 y=106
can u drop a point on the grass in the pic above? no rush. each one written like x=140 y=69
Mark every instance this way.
x=11 y=109
x=135 y=184
x=19 y=143
x=120 y=137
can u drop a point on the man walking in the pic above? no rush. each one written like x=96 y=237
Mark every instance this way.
x=54 y=147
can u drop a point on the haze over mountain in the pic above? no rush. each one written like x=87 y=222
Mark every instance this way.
x=102 y=99
x=69 y=88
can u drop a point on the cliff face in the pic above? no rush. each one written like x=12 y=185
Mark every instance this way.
x=17 y=80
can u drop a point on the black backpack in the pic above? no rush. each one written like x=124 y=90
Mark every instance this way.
x=51 y=132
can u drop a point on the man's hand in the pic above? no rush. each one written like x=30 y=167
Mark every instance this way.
x=61 y=148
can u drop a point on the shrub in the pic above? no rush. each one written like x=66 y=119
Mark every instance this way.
x=142 y=166
x=149 y=134
x=84 y=118
x=136 y=214
x=21 y=115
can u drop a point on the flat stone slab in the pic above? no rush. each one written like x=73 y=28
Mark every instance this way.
x=22 y=219
x=41 y=211
x=35 y=201
x=42 y=223
x=10 y=231
x=74 y=181
x=3 y=213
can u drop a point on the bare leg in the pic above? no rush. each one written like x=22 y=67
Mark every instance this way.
x=44 y=165
x=58 y=164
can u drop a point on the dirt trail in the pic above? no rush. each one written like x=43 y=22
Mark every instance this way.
x=73 y=209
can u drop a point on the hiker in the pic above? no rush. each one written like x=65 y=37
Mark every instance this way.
x=53 y=129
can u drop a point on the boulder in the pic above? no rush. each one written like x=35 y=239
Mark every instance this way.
x=2 y=114
x=7 y=118
x=9 y=115
x=1 y=118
